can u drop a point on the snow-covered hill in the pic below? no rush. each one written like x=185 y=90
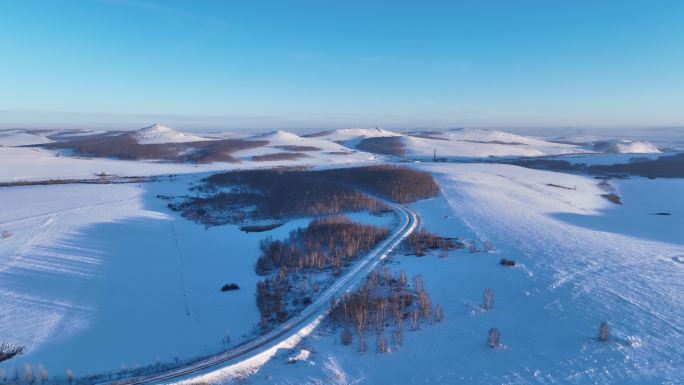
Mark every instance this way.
x=283 y=141
x=158 y=133
x=345 y=134
x=482 y=143
x=21 y=138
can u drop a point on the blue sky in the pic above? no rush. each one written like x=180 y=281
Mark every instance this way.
x=327 y=64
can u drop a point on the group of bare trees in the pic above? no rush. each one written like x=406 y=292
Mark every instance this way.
x=31 y=375
x=418 y=242
x=326 y=243
x=384 y=298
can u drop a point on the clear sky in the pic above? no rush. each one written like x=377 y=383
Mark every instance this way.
x=327 y=64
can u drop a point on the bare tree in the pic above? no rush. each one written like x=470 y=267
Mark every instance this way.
x=346 y=335
x=381 y=343
x=43 y=374
x=604 y=332
x=488 y=298
x=15 y=375
x=414 y=319
x=397 y=337
x=493 y=338
x=69 y=376
x=439 y=313
x=362 y=343
x=29 y=377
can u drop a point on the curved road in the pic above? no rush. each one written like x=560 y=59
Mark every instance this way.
x=317 y=309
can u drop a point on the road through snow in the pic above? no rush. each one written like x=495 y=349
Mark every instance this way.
x=309 y=316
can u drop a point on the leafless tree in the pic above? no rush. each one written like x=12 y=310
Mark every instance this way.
x=414 y=319
x=493 y=338
x=29 y=377
x=69 y=376
x=346 y=335
x=381 y=343
x=43 y=374
x=488 y=298
x=362 y=343
x=397 y=337
x=604 y=332
x=439 y=313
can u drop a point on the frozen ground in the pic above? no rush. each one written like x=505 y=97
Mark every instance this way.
x=101 y=277
x=582 y=260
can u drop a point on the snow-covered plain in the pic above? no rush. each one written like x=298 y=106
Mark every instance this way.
x=581 y=261
x=100 y=277
x=110 y=275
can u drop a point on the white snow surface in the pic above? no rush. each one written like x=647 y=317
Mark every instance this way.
x=21 y=138
x=158 y=133
x=481 y=143
x=581 y=260
x=99 y=277
x=344 y=134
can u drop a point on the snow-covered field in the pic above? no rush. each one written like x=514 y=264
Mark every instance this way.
x=582 y=260
x=97 y=278
x=103 y=277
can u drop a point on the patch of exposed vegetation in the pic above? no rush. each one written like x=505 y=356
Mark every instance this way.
x=279 y=156
x=230 y=287
x=384 y=145
x=613 y=198
x=671 y=166
x=507 y=262
x=418 y=242
x=126 y=147
x=10 y=350
x=384 y=299
x=293 y=147
x=260 y=228
x=561 y=186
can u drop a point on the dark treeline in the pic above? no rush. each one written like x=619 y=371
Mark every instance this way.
x=326 y=243
x=383 y=145
x=279 y=156
x=418 y=242
x=294 y=192
x=671 y=166
x=261 y=194
x=384 y=299
x=294 y=147
x=399 y=184
x=126 y=147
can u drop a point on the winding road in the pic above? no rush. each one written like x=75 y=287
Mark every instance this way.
x=310 y=315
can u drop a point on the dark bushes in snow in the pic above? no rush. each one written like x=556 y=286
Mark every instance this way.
x=9 y=350
x=230 y=286
x=507 y=262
